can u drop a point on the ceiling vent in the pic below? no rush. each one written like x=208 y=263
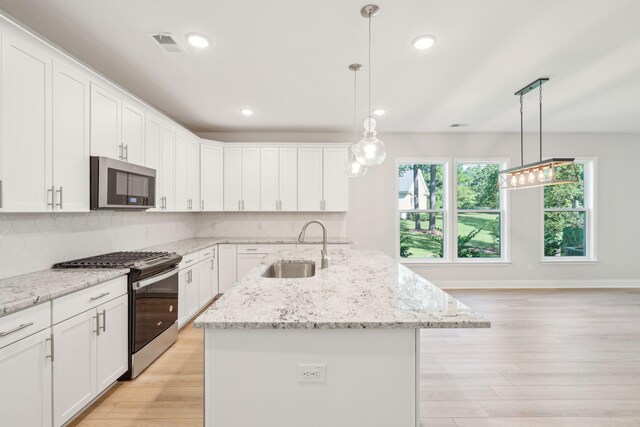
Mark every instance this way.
x=167 y=42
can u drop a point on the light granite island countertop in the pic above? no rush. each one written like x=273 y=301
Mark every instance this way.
x=341 y=348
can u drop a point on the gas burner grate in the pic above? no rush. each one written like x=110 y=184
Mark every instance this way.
x=113 y=260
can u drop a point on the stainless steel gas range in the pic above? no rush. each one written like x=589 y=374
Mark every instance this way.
x=153 y=301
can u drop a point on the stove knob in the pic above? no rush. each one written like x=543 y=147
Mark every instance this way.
x=170 y=308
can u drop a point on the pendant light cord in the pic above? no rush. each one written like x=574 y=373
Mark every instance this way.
x=540 y=121
x=369 y=112
x=355 y=106
x=521 y=133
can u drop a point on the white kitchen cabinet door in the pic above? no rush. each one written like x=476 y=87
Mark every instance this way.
x=182 y=193
x=226 y=266
x=334 y=179
x=246 y=262
x=152 y=157
x=269 y=180
x=250 y=179
x=25 y=148
x=71 y=149
x=168 y=168
x=288 y=179
x=74 y=373
x=183 y=279
x=211 y=177
x=310 y=179
x=232 y=179
x=25 y=394
x=193 y=175
x=193 y=291
x=133 y=133
x=106 y=130
x=206 y=271
x=112 y=342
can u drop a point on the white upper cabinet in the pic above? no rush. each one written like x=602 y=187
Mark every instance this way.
x=334 y=179
x=310 y=179
x=153 y=154
x=232 y=179
x=25 y=150
x=279 y=179
x=211 y=176
x=288 y=179
x=269 y=179
x=168 y=168
x=250 y=179
x=193 y=174
x=106 y=115
x=133 y=125
x=182 y=150
x=71 y=97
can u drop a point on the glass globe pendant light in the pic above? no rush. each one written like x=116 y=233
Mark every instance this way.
x=369 y=151
x=352 y=168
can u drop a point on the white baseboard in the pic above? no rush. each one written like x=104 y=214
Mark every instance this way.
x=538 y=284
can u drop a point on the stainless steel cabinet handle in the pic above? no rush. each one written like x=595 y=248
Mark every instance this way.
x=202 y=205
x=59 y=204
x=212 y=263
x=126 y=152
x=252 y=249
x=99 y=296
x=16 y=329
x=104 y=320
x=51 y=190
x=97 y=317
x=121 y=152
x=50 y=356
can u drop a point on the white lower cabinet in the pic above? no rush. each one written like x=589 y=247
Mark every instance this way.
x=25 y=372
x=227 y=274
x=188 y=294
x=247 y=261
x=90 y=353
x=206 y=285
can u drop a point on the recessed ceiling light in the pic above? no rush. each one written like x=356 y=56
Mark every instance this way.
x=424 y=42
x=379 y=112
x=247 y=111
x=198 y=40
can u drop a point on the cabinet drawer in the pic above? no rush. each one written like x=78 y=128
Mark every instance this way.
x=207 y=253
x=189 y=260
x=24 y=323
x=264 y=248
x=69 y=305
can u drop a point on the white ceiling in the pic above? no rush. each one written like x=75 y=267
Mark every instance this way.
x=287 y=60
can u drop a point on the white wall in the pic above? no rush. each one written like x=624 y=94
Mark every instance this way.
x=31 y=242
x=370 y=221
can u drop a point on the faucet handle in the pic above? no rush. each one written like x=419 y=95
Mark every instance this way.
x=301 y=237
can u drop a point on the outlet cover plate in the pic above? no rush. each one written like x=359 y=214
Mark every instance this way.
x=312 y=373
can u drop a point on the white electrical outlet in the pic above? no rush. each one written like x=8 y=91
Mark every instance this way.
x=312 y=373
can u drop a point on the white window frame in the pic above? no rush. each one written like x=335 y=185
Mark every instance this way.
x=503 y=210
x=590 y=167
x=449 y=211
x=446 y=217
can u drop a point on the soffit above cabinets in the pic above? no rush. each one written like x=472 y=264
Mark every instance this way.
x=286 y=60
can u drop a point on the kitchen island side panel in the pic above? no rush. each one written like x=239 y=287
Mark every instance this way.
x=370 y=377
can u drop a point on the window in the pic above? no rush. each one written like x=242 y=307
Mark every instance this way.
x=421 y=210
x=478 y=210
x=569 y=216
x=437 y=225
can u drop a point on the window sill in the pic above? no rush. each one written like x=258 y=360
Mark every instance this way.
x=455 y=264
x=559 y=260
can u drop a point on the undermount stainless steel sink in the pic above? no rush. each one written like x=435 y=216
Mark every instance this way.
x=290 y=270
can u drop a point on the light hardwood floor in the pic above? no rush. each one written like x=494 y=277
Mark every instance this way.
x=552 y=358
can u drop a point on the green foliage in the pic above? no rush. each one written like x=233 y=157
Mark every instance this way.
x=477 y=186
x=425 y=169
x=465 y=248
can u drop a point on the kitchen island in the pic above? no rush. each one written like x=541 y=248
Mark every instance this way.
x=340 y=348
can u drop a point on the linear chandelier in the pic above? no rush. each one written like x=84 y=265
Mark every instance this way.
x=541 y=173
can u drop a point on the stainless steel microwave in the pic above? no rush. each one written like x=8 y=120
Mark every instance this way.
x=121 y=185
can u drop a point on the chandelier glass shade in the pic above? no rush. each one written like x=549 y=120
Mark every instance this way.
x=352 y=168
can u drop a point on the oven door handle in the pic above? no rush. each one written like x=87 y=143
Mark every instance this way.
x=154 y=279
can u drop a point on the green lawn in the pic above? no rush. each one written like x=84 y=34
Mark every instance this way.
x=423 y=244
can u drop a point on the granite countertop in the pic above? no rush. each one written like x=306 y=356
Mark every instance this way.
x=360 y=289
x=27 y=290
x=185 y=247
